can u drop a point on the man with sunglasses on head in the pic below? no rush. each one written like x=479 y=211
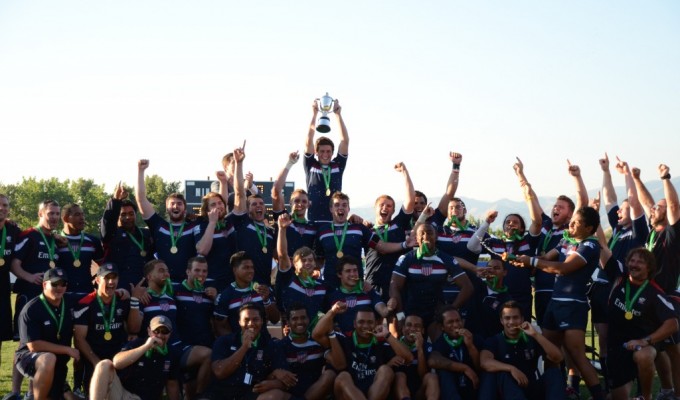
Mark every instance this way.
x=46 y=330
x=142 y=370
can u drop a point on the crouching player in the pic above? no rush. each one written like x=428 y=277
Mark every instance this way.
x=414 y=380
x=510 y=360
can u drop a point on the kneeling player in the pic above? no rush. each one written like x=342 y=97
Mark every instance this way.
x=414 y=379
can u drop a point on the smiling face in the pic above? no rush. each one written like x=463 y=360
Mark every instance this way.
x=452 y=323
x=305 y=265
x=638 y=267
x=244 y=273
x=106 y=285
x=198 y=270
x=623 y=214
x=657 y=215
x=256 y=208
x=324 y=153
x=299 y=202
x=384 y=209
x=364 y=324
x=250 y=319
x=340 y=210
x=412 y=324
x=511 y=319
x=298 y=321
x=349 y=276
x=176 y=209
x=158 y=275
x=561 y=213
x=49 y=217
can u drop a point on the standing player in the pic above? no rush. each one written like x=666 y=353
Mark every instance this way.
x=195 y=304
x=9 y=234
x=174 y=240
x=323 y=174
x=216 y=240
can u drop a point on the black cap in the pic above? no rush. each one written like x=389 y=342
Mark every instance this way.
x=107 y=268
x=55 y=275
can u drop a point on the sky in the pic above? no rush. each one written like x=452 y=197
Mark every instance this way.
x=89 y=87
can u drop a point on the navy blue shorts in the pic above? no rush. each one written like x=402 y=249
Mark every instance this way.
x=565 y=315
x=598 y=295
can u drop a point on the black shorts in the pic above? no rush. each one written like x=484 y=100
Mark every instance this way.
x=598 y=296
x=621 y=368
x=565 y=315
x=26 y=366
x=541 y=300
x=19 y=304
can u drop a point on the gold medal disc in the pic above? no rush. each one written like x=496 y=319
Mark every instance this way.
x=628 y=315
x=339 y=254
x=52 y=264
x=328 y=192
x=264 y=249
x=142 y=253
x=2 y=262
x=108 y=336
x=173 y=249
x=76 y=263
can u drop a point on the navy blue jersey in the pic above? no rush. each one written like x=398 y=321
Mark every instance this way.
x=650 y=310
x=185 y=244
x=666 y=248
x=489 y=304
x=36 y=323
x=547 y=240
x=379 y=267
x=518 y=279
x=79 y=277
x=298 y=234
x=424 y=280
x=224 y=245
x=363 y=362
x=12 y=233
x=148 y=376
x=358 y=237
x=228 y=303
x=88 y=312
x=120 y=249
x=33 y=252
x=160 y=304
x=258 y=361
x=574 y=286
x=458 y=353
x=354 y=300
x=625 y=239
x=250 y=236
x=319 y=209
x=453 y=239
x=293 y=291
x=194 y=313
x=523 y=353
x=306 y=360
x=411 y=369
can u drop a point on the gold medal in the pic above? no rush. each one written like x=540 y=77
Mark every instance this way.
x=142 y=253
x=76 y=263
x=52 y=264
x=2 y=262
x=328 y=192
x=108 y=336
x=339 y=254
x=173 y=249
x=264 y=249
x=628 y=315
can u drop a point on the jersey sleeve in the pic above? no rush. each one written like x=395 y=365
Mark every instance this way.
x=401 y=267
x=613 y=217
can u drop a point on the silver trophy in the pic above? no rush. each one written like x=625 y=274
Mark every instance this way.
x=325 y=106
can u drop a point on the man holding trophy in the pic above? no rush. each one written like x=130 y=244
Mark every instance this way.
x=324 y=173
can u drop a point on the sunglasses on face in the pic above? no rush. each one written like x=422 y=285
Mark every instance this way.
x=59 y=284
x=162 y=331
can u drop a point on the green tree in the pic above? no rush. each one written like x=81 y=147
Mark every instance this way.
x=157 y=190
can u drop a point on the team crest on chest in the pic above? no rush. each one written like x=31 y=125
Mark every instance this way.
x=246 y=299
x=310 y=291
x=164 y=306
x=426 y=269
x=301 y=356
x=455 y=238
x=198 y=298
x=351 y=302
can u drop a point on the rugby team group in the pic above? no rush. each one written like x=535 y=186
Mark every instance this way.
x=418 y=303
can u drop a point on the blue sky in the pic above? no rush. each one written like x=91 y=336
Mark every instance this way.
x=89 y=87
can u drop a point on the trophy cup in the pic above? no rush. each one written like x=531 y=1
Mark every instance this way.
x=325 y=106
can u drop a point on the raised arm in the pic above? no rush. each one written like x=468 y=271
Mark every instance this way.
x=535 y=210
x=278 y=200
x=672 y=203
x=205 y=244
x=608 y=191
x=324 y=326
x=343 y=147
x=224 y=186
x=475 y=243
x=309 y=143
x=452 y=183
x=581 y=191
x=605 y=253
x=646 y=199
x=636 y=209
x=109 y=221
x=410 y=199
x=282 y=243
x=240 y=199
x=145 y=207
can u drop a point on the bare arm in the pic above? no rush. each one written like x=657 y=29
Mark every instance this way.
x=608 y=191
x=282 y=243
x=581 y=191
x=452 y=183
x=225 y=367
x=325 y=325
x=535 y=210
x=343 y=147
x=672 y=203
x=80 y=342
x=18 y=270
x=145 y=207
x=309 y=143
x=38 y=346
x=126 y=358
x=396 y=287
x=410 y=199
x=240 y=199
x=224 y=186
x=466 y=290
x=278 y=200
x=636 y=209
x=644 y=196
x=205 y=244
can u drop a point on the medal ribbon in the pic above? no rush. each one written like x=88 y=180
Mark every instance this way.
x=112 y=308
x=494 y=283
x=174 y=238
x=299 y=220
x=382 y=235
x=422 y=251
x=167 y=289
x=261 y=236
x=410 y=346
x=326 y=174
x=50 y=249
x=565 y=236
x=219 y=226
x=546 y=241
x=512 y=238
x=339 y=243
x=362 y=345
x=307 y=281
x=198 y=286
x=60 y=321
x=522 y=336
x=75 y=254
x=160 y=350
x=615 y=239
x=629 y=302
x=455 y=343
x=652 y=241
x=455 y=220
x=2 y=241
x=139 y=244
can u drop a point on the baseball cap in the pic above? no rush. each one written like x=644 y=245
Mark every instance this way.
x=55 y=275
x=160 y=320
x=107 y=268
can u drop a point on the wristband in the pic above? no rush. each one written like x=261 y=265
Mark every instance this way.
x=456 y=167
x=401 y=316
x=134 y=305
x=331 y=335
x=290 y=164
x=403 y=245
x=667 y=176
x=534 y=262
x=267 y=303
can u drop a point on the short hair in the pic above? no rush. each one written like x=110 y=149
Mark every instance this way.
x=346 y=260
x=338 y=196
x=67 y=210
x=459 y=200
x=238 y=258
x=226 y=160
x=206 y=199
x=47 y=203
x=298 y=192
x=439 y=317
x=4 y=196
x=198 y=259
x=128 y=203
x=522 y=223
x=590 y=217
x=252 y=197
x=511 y=304
x=647 y=256
x=302 y=252
x=151 y=265
x=253 y=306
x=418 y=193
x=368 y=309
x=178 y=196
x=384 y=197
x=569 y=201
x=297 y=306
x=323 y=141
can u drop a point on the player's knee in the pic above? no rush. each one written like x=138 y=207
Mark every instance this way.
x=46 y=362
x=645 y=356
x=385 y=372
